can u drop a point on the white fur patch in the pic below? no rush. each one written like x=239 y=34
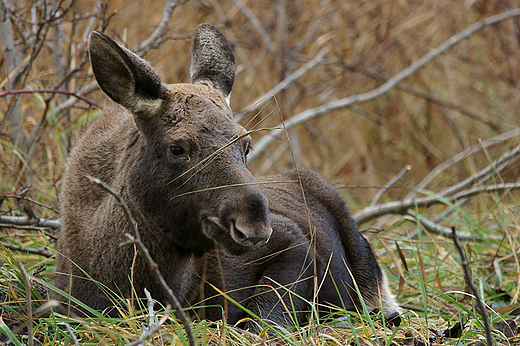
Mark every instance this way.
x=228 y=99
x=146 y=105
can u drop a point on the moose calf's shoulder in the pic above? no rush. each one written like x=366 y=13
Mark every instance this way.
x=178 y=159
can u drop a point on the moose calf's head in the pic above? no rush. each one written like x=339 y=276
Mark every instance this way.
x=186 y=161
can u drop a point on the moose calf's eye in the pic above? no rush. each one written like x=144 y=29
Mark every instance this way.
x=247 y=150
x=176 y=150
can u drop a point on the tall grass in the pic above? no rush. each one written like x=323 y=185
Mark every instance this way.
x=433 y=287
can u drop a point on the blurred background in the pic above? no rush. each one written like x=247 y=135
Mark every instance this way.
x=469 y=93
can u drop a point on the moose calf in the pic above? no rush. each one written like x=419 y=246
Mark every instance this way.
x=178 y=159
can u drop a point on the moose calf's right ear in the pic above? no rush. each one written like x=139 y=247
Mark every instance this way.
x=212 y=59
x=125 y=77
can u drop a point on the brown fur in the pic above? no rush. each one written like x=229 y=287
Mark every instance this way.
x=199 y=235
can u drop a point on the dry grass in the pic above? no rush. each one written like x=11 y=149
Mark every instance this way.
x=427 y=119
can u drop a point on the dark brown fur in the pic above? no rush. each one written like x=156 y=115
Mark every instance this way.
x=197 y=234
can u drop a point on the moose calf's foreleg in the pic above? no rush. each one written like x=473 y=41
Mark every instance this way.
x=283 y=295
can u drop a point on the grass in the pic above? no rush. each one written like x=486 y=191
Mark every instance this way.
x=433 y=285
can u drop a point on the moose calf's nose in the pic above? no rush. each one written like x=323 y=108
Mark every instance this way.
x=248 y=217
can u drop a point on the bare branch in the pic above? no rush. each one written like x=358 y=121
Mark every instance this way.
x=401 y=207
x=284 y=84
x=463 y=154
x=484 y=174
x=152 y=41
x=23 y=196
x=385 y=87
x=430 y=97
x=494 y=168
x=451 y=193
x=389 y=184
x=154 y=267
x=51 y=236
x=485 y=189
x=48 y=91
x=40 y=251
x=435 y=228
x=27 y=221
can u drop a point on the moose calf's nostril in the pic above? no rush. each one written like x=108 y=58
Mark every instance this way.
x=256 y=240
x=238 y=235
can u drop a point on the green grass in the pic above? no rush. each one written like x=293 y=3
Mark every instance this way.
x=433 y=284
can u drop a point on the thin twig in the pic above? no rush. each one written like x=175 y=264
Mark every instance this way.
x=389 y=184
x=496 y=166
x=71 y=333
x=385 y=87
x=284 y=84
x=31 y=228
x=27 y=283
x=71 y=101
x=153 y=327
x=153 y=39
x=40 y=251
x=469 y=281
x=25 y=198
x=143 y=251
x=428 y=96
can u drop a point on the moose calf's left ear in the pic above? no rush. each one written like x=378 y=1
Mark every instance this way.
x=125 y=78
x=211 y=59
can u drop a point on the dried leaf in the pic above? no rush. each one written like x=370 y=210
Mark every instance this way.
x=439 y=283
x=513 y=309
x=401 y=255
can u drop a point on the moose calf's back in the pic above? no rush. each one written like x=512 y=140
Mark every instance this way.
x=177 y=158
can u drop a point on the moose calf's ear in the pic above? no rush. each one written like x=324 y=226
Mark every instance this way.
x=211 y=59
x=125 y=77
